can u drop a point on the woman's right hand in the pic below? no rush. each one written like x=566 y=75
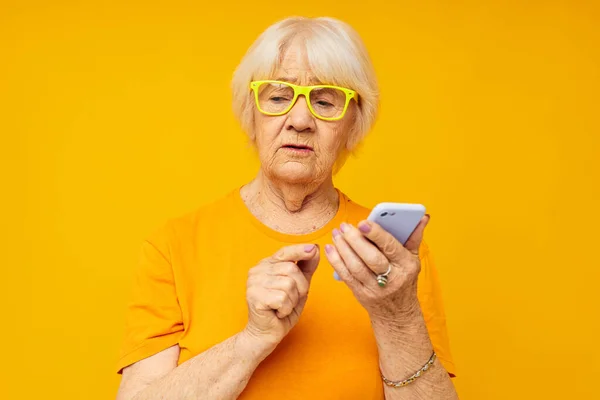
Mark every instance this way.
x=277 y=290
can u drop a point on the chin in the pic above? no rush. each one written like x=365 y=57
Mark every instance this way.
x=295 y=172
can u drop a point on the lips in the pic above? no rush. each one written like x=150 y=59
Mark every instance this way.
x=294 y=146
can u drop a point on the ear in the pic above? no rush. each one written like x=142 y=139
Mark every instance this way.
x=251 y=131
x=355 y=135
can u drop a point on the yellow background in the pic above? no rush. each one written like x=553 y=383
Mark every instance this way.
x=116 y=116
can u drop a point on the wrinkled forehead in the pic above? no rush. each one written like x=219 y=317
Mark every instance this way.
x=302 y=62
x=293 y=65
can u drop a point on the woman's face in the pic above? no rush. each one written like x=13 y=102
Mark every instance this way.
x=297 y=147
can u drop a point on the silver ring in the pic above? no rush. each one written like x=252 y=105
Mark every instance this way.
x=383 y=278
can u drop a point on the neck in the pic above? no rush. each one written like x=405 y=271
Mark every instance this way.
x=289 y=207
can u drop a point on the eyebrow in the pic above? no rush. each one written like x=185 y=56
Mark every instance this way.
x=313 y=81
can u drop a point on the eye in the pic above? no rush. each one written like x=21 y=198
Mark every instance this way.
x=324 y=103
x=277 y=99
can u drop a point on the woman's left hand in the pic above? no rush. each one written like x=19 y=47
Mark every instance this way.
x=358 y=255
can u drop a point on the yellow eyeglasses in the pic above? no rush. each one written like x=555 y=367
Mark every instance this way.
x=325 y=102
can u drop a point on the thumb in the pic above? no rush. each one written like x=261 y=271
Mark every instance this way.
x=309 y=266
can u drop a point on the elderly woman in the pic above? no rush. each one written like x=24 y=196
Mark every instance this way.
x=234 y=300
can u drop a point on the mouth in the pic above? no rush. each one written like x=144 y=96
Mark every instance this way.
x=297 y=147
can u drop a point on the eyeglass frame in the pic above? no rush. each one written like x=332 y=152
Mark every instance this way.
x=305 y=91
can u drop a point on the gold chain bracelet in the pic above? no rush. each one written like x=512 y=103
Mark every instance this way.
x=416 y=375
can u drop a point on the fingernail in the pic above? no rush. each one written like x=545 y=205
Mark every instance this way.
x=345 y=227
x=336 y=276
x=309 y=247
x=364 y=227
x=428 y=216
x=328 y=248
x=336 y=232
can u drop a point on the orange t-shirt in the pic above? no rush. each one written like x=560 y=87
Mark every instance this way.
x=190 y=289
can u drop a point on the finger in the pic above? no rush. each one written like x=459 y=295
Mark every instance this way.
x=353 y=263
x=339 y=267
x=284 y=284
x=414 y=240
x=309 y=266
x=294 y=253
x=291 y=270
x=391 y=248
x=371 y=256
x=258 y=299
x=306 y=255
x=279 y=302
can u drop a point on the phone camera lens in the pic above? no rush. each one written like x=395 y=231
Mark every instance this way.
x=383 y=214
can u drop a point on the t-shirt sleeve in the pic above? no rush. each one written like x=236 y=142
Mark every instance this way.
x=430 y=297
x=153 y=319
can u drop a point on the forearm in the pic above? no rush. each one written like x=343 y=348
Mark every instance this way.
x=404 y=348
x=222 y=372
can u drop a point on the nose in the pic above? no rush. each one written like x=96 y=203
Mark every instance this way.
x=300 y=118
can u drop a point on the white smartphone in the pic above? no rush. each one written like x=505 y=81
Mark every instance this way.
x=399 y=219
